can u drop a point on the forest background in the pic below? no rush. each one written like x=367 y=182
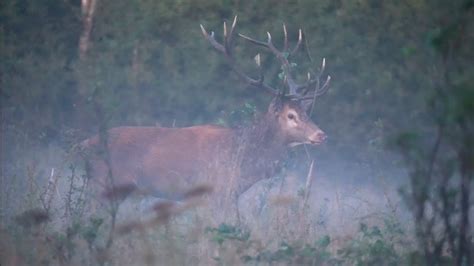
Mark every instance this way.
x=402 y=76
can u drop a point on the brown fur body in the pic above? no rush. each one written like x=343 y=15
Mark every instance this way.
x=167 y=162
x=163 y=161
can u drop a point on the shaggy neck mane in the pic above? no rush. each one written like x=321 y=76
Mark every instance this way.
x=260 y=150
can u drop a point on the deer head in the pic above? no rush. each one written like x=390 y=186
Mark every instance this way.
x=289 y=107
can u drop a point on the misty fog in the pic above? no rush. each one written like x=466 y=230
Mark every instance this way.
x=391 y=178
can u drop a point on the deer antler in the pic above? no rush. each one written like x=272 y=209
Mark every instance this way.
x=226 y=47
x=299 y=91
x=314 y=85
x=311 y=89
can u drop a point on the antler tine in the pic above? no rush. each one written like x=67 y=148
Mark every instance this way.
x=259 y=65
x=292 y=86
x=321 y=90
x=298 y=44
x=299 y=91
x=225 y=48
x=234 y=23
x=259 y=43
x=228 y=36
x=324 y=88
x=315 y=84
x=225 y=31
x=285 y=33
x=318 y=90
x=282 y=57
x=212 y=40
x=226 y=40
x=310 y=82
x=304 y=89
x=323 y=67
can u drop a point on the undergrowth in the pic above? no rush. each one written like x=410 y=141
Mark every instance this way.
x=51 y=228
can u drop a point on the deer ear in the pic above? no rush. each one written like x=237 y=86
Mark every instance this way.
x=276 y=105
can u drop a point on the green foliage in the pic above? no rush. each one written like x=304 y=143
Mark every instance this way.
x=301 y=254
x=396 y=65
x=91 y=231
x=151 y=65
x=441 y=168
x=238 y=117
x=372 y=247
x=227 y=232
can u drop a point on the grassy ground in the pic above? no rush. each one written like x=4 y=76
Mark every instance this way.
x=349 y=214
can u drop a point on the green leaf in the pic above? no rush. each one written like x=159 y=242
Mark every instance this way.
x=324 y=241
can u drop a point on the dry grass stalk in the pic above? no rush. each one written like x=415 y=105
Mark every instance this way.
x=309 y=182
x=304 y=223
x=49 y=193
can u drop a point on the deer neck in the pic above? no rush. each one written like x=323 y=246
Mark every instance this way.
x=261 y=149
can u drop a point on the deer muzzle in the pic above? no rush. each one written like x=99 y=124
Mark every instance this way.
x=317 y=137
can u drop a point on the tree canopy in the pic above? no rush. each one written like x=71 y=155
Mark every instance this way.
x=148 y=63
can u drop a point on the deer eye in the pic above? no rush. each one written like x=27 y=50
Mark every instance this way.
x=291 y=116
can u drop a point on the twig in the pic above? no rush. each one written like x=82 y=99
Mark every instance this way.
x=309 y=182
x=304 y=207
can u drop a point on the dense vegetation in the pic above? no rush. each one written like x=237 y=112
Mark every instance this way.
x=148 y=63
x=402 y=73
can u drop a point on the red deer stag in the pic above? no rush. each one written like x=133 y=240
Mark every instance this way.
x=169 y=161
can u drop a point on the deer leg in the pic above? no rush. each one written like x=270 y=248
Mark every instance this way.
x=231 y=213
x=95 y=174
